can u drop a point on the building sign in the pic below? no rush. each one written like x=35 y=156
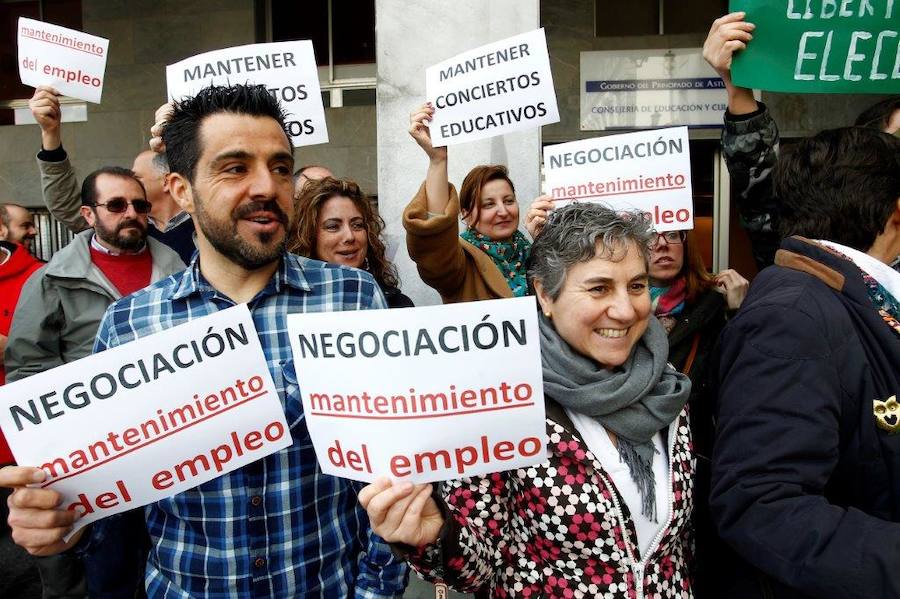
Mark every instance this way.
x=648 y=89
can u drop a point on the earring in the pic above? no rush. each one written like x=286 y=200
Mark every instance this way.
x=547 y=314
x=366 y=263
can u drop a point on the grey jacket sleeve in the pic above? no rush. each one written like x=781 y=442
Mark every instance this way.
x=62 y=194
x=34 y=337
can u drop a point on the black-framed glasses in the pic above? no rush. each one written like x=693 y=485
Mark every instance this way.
x=671 y=237
x=120 y=205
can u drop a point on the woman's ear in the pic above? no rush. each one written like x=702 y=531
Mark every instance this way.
x=543 y=298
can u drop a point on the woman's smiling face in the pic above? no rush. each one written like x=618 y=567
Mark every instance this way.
x=603 y=308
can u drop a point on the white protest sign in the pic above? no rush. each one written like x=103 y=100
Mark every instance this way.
x=648 y=171
x=422 y=394
x=287 y=69
x=148 y=419
x=492 y=90
x=71 y=61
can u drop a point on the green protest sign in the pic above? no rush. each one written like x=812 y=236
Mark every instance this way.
x=821 y=46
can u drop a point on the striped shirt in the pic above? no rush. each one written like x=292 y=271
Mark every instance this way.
x=277 y=527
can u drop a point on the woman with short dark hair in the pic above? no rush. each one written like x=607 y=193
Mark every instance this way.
x=608 y=513
x=486 y=261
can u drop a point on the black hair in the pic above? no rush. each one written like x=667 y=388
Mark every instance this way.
x=89 y=185
x=182 y=131
x=879 y=114
x=841 y=185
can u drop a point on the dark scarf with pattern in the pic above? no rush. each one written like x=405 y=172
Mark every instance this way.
x=509 y=256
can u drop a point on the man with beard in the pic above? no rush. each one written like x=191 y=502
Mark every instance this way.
x=61 y=305
x=59 y=185
x=278 y=527
x=17 y=225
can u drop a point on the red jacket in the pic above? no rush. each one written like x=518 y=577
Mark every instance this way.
x=13 y=274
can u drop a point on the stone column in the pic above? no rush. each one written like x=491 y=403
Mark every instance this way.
x=411 y=36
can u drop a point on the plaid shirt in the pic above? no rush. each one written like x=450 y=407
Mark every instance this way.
x=277 y=527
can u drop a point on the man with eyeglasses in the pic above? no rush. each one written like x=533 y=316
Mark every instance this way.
x=61 y=305
x=168 y=223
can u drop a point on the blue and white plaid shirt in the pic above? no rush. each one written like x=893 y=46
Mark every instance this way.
x=277 y=527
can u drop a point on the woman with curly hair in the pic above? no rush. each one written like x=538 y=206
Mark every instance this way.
x=336 y=223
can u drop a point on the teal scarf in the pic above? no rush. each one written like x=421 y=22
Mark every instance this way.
x=509 y=256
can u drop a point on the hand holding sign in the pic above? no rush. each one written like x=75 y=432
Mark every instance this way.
x=44 y=105
x=39 y=523
x=419 y=120
x=159 y=123
x=728 y=35
x=402 y=512
x=537 y=215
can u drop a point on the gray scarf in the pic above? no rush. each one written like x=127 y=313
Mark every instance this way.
x=634 y=401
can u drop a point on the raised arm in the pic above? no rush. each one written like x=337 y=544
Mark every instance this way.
x=749 y=140
x=59 y=185
x=730 y=34
x=436 y=179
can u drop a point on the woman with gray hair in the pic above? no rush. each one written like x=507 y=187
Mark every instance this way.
x=608 y=514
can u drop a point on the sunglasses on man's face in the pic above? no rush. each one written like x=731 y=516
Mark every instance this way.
x=120 y=205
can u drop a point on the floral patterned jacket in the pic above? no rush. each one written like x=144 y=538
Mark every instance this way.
x=561 y=529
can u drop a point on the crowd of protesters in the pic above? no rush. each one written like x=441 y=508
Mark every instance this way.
x=708 y=437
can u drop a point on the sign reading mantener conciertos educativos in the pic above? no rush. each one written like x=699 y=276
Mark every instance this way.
x=492 y=90
x=73 y=62
x=648 y=171
x=148 y=419
x=422 y=394
x=287 y=69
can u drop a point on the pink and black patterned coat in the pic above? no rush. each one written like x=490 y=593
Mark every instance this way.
x=561 y=529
